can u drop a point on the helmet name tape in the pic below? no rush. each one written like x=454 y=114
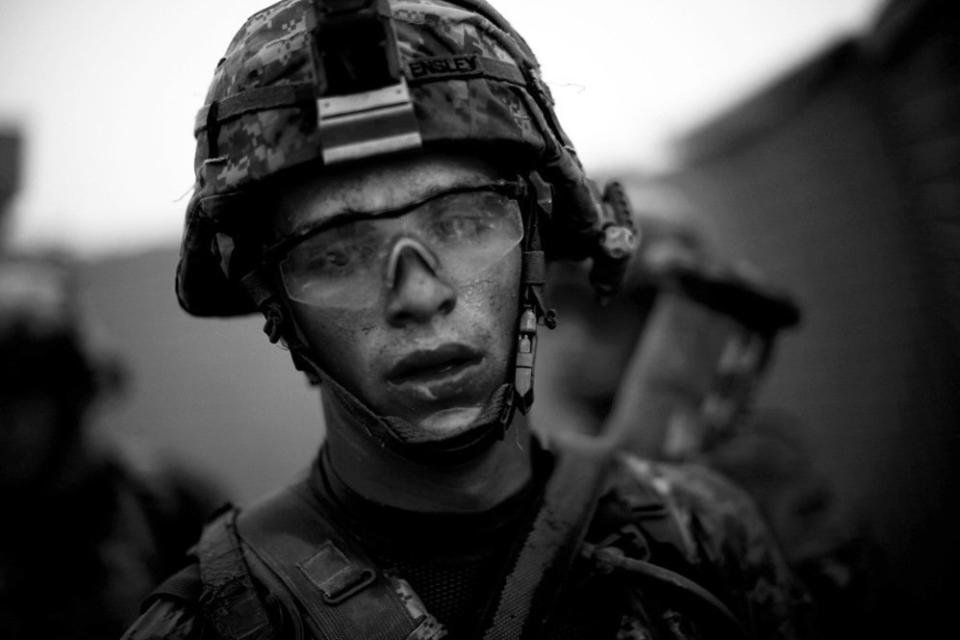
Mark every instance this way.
x=452 y=66
x=462 y=67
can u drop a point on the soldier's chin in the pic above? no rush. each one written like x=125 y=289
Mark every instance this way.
x=444 y=424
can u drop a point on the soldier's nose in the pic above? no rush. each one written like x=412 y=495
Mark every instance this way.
x=416 y=292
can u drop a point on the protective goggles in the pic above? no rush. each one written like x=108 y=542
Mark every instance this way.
x=457 y=234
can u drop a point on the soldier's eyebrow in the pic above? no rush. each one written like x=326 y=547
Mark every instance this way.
x=426 y=196
x=466 y=183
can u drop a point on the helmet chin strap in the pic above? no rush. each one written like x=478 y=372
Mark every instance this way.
x=497 y=414
x=533 y=311
x=402 y=437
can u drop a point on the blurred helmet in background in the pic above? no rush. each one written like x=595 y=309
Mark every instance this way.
x=44 y=342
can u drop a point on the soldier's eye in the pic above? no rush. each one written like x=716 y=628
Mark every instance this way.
x=461 y=227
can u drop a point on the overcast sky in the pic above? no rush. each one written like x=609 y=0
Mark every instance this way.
x=105 y=91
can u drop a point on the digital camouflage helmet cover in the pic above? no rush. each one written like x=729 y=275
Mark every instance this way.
x=432 y=74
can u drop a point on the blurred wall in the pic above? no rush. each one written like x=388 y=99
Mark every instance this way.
x=10 y=143
x=842 y=182
x=213 y=392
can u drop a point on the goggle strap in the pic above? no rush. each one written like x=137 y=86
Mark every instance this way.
x=255 y=284
x=277 y=325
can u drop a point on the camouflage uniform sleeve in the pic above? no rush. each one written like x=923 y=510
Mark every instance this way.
x=726 y=534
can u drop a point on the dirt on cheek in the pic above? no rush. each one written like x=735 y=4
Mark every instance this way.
x=337 y=338
x=492 y=309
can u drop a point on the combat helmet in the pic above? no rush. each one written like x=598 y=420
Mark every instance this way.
x=310 y=84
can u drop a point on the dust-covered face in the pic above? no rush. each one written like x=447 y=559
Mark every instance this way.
x=404 y=282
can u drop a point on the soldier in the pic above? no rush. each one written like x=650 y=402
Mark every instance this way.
x=691 y=337
x=87 y=533
x=383 y=180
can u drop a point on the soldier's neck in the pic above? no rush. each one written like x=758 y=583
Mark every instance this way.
x=381 y=475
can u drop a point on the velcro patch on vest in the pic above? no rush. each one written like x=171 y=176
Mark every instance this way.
x=333 y=573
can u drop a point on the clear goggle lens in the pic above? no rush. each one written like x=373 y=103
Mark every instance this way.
x=345 y=266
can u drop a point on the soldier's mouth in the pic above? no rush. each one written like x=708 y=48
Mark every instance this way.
x=445 y=363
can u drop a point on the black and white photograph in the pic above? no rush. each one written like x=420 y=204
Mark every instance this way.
x=479 y=319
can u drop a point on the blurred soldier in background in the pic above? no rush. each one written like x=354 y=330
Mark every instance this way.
x=86 y=532
x=688 y=340
x=384 y=181
x=686 y=345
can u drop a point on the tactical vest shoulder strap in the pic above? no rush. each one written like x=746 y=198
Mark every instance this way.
x=229 y=600
x=553 y=543
x=332 y=580
x=645 y=510
x=343 y=594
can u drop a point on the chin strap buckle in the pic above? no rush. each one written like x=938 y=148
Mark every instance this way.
x=526 y=355
x=539 y=206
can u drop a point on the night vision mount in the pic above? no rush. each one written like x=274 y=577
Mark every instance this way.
x=363 y=101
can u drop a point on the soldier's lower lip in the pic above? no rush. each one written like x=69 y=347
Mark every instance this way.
x=435 y=382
